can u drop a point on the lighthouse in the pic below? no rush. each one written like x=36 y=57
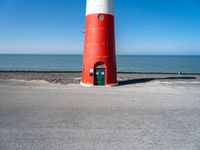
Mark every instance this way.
x=99 y=58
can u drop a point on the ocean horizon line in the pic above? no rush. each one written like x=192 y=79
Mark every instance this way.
x=36 y=54
x=127 y=63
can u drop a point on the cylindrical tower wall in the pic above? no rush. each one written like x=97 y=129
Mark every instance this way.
x=99 y=41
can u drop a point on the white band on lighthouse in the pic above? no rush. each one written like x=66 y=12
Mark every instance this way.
x=100 y=6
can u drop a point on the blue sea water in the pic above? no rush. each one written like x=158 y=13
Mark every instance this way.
x=130 y=63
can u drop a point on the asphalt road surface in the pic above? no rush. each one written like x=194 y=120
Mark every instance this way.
x=154 y=115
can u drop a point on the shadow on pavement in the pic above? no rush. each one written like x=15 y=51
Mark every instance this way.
x=144 y=80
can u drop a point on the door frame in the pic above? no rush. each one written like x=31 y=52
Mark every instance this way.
x=99 y=65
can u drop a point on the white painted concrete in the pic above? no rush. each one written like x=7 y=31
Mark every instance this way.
x=100 y=6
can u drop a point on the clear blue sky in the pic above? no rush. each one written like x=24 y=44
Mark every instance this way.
x=142 y=26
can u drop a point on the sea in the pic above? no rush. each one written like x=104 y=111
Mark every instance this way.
x=125 y=63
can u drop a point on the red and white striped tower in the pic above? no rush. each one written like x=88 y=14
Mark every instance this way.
x=99 y=43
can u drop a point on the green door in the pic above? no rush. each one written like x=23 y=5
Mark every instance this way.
x=99 y=76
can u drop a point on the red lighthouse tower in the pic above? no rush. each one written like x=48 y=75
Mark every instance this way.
x=99 y=59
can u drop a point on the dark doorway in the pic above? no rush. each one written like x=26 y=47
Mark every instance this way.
x=99 y=74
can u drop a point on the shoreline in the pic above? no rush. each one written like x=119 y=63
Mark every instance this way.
x=74 y=77
x=119 y=72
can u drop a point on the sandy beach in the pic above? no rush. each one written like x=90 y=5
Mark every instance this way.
x=51 y=111
x=75 y=77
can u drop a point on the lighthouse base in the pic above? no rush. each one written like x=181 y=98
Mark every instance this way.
x=92 y=85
